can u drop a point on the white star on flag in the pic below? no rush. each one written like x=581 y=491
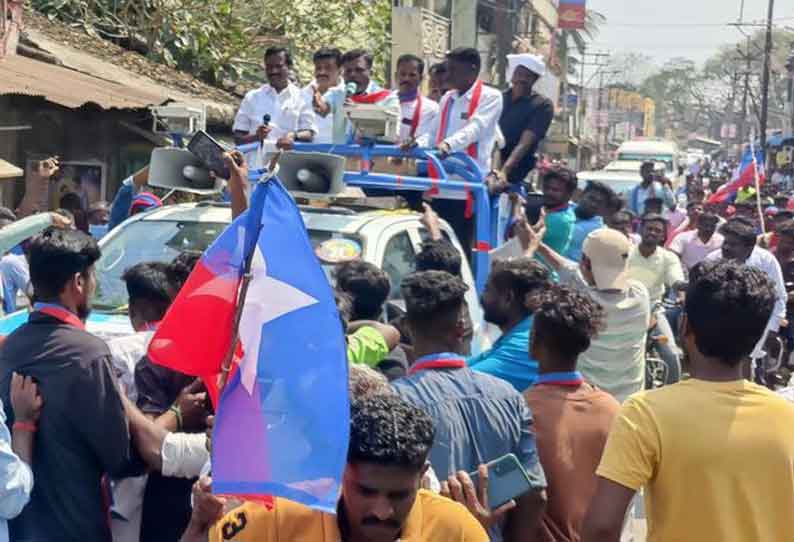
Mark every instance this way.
x=267 y=299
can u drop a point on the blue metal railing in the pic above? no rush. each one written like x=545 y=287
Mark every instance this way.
x=468 y=180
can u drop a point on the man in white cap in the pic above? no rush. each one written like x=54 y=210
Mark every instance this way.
x=526 y=117
x=615 y=361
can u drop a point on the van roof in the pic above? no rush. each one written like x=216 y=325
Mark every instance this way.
x=649 y=147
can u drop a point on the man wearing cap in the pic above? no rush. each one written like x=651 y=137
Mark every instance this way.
x=526 y=117
x=615 y=361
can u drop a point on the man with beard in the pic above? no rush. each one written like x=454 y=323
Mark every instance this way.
x=418 y=113
x=651 y=187
x=658 y=269
x=597 y=202
x=693 y=246
x=558 y=188
x=82 y=432
x=506 y=304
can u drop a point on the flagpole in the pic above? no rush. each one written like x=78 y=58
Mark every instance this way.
x=757 y=179
x=226 y=366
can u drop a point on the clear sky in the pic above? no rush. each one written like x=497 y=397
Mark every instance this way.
x=668 y=28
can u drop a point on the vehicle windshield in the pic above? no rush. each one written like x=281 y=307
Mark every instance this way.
x=162 y=241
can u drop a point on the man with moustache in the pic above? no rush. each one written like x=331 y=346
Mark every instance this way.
x=289 y=117
x=418 y=112
x=324 y=90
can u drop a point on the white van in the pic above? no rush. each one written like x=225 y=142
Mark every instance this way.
x=655 y=150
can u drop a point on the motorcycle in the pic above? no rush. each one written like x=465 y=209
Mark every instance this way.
x=658 y=371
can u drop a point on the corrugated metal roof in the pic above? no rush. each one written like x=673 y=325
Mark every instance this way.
x=70 y=88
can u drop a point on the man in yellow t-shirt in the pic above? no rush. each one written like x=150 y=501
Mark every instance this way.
x=715 y=454
x=380 y=502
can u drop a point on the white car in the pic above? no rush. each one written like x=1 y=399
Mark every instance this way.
x=389 y=239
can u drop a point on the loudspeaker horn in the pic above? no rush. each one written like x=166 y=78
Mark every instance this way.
x=179 y=169
x=312 y=174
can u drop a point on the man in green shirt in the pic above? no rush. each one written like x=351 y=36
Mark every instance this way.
x=558 y=188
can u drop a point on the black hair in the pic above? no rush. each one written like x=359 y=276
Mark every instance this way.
x=788 y=215
x=180 y=268
x=786 y=229
x=439 y=255
x=72 y=202
x=654 y=201
x=7 y=214
x=412 y=58
x=613 y=200
x=439 y=67
x=706 y=217
x=623 y=216
x=272 y=51
x=466 y=55
x=647 y=164
x=55 y=256
x=328 y=52
x=387 y=430
x=565 y=175
x=653 y=217
x=523 y=276
x=728 y=306
x=367 y=284
x=742 y=229
x=693 y=203
x=355 y=54
x=566 y=320
x=149 y=289
x=344 y=305
x=433 y=298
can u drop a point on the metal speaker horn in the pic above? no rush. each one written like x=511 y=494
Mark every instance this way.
x=312 y=174
x=179 y=169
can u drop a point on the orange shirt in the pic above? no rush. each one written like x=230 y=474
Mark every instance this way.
x=432 y=519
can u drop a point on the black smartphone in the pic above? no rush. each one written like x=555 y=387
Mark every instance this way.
x=210 y=152
x=533 y=206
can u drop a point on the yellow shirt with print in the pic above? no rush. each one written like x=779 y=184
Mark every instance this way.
x=716 y=460
x=432 y=519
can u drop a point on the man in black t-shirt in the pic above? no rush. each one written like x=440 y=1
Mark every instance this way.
x=526 y=117
x=82 y=434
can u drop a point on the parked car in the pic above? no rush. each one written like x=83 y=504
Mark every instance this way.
x=389 y=239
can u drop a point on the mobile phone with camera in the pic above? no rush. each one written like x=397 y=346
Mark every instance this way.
x=209 y=151
x=507 y=480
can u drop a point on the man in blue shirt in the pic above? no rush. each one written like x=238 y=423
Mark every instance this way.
x=597 y=201
x=477 y=418
x=507 y=304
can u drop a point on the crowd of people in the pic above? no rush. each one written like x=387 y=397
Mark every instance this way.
x=99 y=443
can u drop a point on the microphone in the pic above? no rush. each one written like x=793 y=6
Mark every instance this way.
x=265 y=119
x=351 y=89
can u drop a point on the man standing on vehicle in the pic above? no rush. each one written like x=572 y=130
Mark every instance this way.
x=740 y=245
x=713 y=454
x=525 y=119
x=277 y=111
x=321 y=92
x=418 y=112
x=615 y=361
x=477 y=418
x=650 y=188
x=659 y=270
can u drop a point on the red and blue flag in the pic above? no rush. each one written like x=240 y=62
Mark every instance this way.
x=744 y=176
x=282 y=420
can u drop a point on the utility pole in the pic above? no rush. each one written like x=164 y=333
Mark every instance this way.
x=765 y=75
x=580 y=105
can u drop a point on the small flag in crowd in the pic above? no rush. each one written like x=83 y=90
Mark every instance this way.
x=282 y=420
x=744 y=176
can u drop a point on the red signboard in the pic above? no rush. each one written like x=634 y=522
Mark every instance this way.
x=571 y=14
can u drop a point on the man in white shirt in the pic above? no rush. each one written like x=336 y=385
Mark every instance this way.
x=694 y=245
x=740 y=245
x=276 y=112
x=468 y=120
x=320 y=92
x=418 y=114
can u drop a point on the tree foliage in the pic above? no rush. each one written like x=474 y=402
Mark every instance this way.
x=222 y=41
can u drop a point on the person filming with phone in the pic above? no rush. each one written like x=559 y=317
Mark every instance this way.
x=652 y=186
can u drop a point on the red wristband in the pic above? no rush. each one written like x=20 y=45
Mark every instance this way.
x=25 y=426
